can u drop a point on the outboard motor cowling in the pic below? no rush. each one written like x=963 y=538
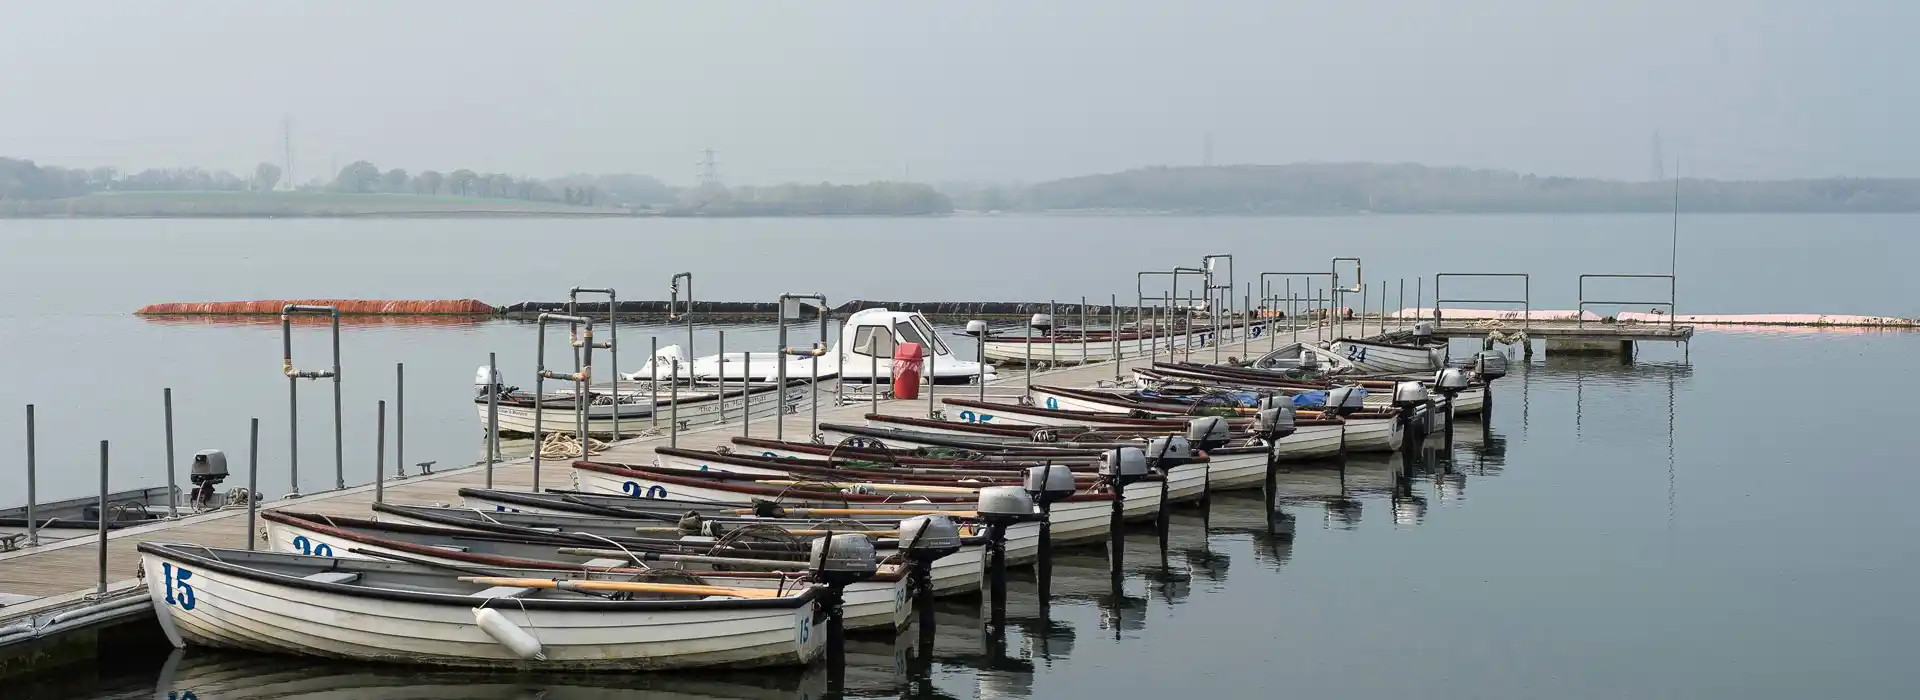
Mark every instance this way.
x=1423 y=331
x=1165 y=453
x=1408 y=395
x=1490 y=365
x=1006 y=505
x=1207 y=432
x=1276 y=423
x=1049 y=484
x=1450 y=380
x=1346 y=400
x=1121 y=466
x=843 y=559
x=929 y=537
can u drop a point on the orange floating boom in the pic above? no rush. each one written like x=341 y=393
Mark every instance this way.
x=356 y=307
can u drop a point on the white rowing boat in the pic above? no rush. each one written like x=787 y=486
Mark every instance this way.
x=390 y=611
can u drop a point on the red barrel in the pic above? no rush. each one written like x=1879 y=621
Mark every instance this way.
x=906 y=371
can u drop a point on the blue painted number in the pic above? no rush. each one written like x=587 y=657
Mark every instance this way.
x=1053 y=403
x=311 y=548
x=179 y=592
x=1357 y=353
x=634 y=490
x=971 y=417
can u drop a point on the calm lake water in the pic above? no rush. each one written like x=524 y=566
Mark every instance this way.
x=1730 y=525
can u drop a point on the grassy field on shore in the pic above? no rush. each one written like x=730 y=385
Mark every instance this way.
x=288 y=204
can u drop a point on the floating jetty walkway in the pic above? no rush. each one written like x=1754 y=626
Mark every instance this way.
x=66 y=621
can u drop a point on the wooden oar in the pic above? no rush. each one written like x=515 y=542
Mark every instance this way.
x=644 y=530
x=626 y=586
x=891 y=488
x=735 y=562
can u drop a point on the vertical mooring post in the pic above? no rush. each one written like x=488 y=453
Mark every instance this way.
x=253 y=480
x=674 y=300
x=721 y=400
x=1113 y=329
x=1083 y=331
x=380 y=455
x=493 y=414
x=673 y=427
x=173 y=493
x=746 y=393
x=399 y=420
x=653 y=371
x=33 y=486
x=101 y=519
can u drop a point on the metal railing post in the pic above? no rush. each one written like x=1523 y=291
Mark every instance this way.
x=673 y=418
x=173 y=497
x=101 y=520
x=1083 y=330
x=33 y=485
x=493 y=415
x=653 y=378
x=253 y=480
x=380 y=456
x=746 y=393
x=721 y=400
x=399 y=419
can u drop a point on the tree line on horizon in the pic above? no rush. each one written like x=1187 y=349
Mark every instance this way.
x=1308 y=188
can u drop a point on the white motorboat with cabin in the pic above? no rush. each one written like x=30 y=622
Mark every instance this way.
x=848 y=359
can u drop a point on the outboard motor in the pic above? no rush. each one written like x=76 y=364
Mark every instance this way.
x=1208 y=433
x=208 y=470
x=1450 y=381
x=1490 y=365
x=1422 y=332
x=1415 y=406
x=1345 y=401
x=1041 y=322
x=1001 y=507
x=485 y=377
x=840 y=561
x=1275 y=420
x=1165 y=453
x=925 y=539
x=1122 y=466
x=1049 y=484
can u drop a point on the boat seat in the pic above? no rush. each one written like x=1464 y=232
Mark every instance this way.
x=606 y=563
x=503 y=592
x=333 y=577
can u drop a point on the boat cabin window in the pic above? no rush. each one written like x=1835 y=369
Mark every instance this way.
x=909 y=334
x=885 y=340
x=940 y=346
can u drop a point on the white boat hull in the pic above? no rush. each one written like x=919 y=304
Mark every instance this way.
x=1236 y=471
x=1374 y=435
x=1373 y=358
x=868 y=604
x=210 y=607
x=1310 y=442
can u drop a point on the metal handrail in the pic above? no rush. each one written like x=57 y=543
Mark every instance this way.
x=790 y=306
x=613 y=336
x=1525 y=301
x=1580 y=312
x=294 y=376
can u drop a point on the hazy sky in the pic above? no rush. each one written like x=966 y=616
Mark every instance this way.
x=965 y=89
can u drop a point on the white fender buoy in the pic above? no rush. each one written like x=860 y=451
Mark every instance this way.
x=508 y=634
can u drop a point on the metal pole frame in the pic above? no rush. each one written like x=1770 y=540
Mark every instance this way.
x=293 y=399
x=541 y=374
x=674 y=299
x=1580 y=315
x=720 y=402
x=1525 y=300
x=380 y=455
x=819 y=348
x=1206 y=261
x=1339 y=293
x=399 y=420
x=253 y=480
x=613 y=335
